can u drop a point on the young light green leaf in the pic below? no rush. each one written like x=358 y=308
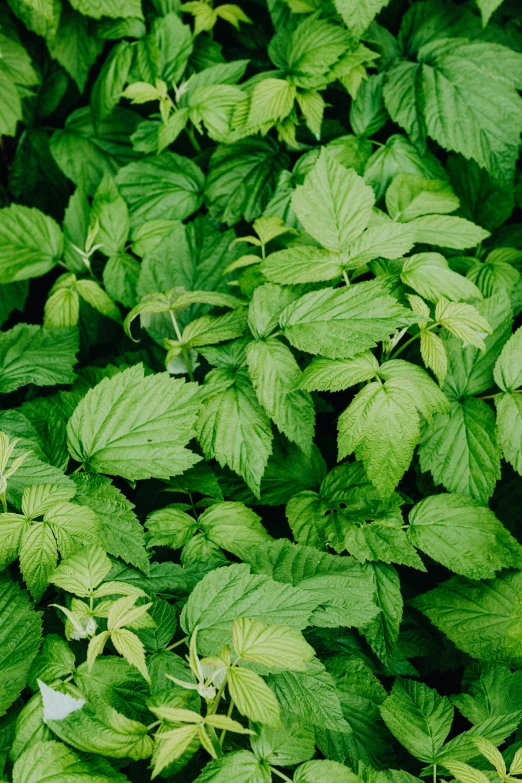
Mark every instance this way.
x=429 y=274
x=273 y=646
x=135 y=426
x=252 y=696
x=334 y=205
x=338 y=374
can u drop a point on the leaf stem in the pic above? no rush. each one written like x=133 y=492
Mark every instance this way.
x=215 y=704
x=280 y=774
x=434 y=773
x=177 y=644
x=492 y=396
x=192 y=138
x=411 y=340
x=345 y=277
x=229 y=714
x=405 y=345
x=185 y=353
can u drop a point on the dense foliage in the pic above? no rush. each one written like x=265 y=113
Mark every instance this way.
x=261 y=391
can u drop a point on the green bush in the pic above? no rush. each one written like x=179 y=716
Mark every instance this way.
x=261 y=391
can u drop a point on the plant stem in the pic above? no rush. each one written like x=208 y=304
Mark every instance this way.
x=434 y=773
x=4 y=504
x=215 y=704
x=404 y=345
x=279 y=774
x=177 y=644
x=229 y=713
x=345 y=277
x=153 y=725
x=192 y=138
x=492 y=396
x=185 y=353
x=77 y=470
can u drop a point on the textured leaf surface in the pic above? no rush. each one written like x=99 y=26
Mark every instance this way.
x=135 y=426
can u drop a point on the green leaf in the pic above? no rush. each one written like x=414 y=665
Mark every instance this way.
x=509 y=423
x=40 y=16
x=339 y=585
x=291 y=743
x=508 y=368
x=240 y=766
x=275 y=375
x=382 y=424
x=358 y=16
x=233 y=526
x=54 y=661
x=418 y=717
x=460 y=449
x=116 y=430
x=447 y=231
x=340 y=323
x=324 y=772
x=94 y=295
x=170 y=527
x=487 y=8
x=338 y=374
x=85 y=153
x=311 y=695
x=231 y=592
x=338 y=512
x=494 y=730
x=166 y=186
x=389 y=240
x=334 y=205
x=302 y=264
x=34 y=354
x=473 y=615
x=20 y=633
x=272 y=100
x=396 y=157
x=38 y=557
x=112 y=8
x=103 y=731
x=383 y=631
x=471 y=370
x=410 y=196
x=430 y=276
x=241 y=179
x=109 y=213
x=121 y=532
x=232 y=427
x=111 y=679
x=82 y=572
x=273 y=646
x=252 y=696
x=31 y=243
x=463 y=535
x=107 y=88
x=489 y=74
x=120 y=278
x=56 y=763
